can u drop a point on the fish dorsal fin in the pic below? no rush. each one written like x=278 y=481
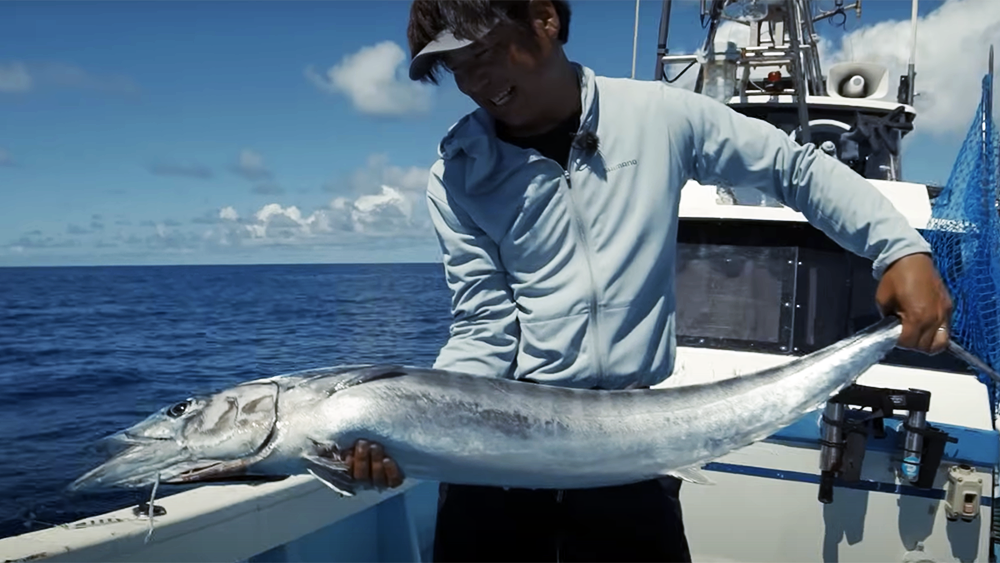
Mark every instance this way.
x=327 y=381
x=367 y=374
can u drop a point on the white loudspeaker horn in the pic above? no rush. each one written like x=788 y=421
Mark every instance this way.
x=858 y=80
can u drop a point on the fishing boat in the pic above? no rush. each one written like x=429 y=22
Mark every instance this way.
x=901 y=466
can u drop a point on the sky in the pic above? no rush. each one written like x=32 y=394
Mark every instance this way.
x=252 y=131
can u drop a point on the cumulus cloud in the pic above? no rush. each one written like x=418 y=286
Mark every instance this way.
x=193 y=170
x=382 y=197
x=375 y=80
x=19 y=77
x=228 y=214
x=250 y=165
x=381 y=213
x=386 y=213
x=951 y=58
x=381 y=202
x=270 y=224
x=275 y=221
x=378 y=172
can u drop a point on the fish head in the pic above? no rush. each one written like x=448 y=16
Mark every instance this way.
x=212 y=437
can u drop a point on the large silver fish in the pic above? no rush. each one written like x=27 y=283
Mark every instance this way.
x=459 y=428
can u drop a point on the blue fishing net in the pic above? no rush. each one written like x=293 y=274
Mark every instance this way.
x=964 y=232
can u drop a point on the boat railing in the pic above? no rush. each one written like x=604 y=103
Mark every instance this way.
x=296 y=519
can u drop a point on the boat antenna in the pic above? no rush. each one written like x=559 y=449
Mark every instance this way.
x=911 y=72
x=661 y=42
x=635 y=38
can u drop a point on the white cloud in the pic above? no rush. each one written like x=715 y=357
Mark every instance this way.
x=952 y=54
x=271 y=224
x=378 y=172
x=412 y=179
x=383 y=197
x=275 y=221
x=384 y=212
x=378 y=201
x=228 y=214
x=5 y=158
x=250 y=165
x=20 y=77
x=382 y=208
x=375 y=80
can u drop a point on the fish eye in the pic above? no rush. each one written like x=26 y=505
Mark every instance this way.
x=177 y=410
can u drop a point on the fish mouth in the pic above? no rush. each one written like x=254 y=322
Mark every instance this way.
x=130 y=461
x=215 y=472
x=135 y=462
x=143 y=465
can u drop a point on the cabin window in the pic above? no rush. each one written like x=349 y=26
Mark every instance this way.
x=776 y=287
x=735 y=296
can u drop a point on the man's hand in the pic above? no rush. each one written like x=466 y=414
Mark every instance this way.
x=912 y=290
x=370 y=466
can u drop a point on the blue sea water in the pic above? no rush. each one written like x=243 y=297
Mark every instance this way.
x=86 y=351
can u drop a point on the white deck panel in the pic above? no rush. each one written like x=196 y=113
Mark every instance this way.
x=702 y=202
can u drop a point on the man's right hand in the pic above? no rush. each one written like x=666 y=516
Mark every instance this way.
x=370 y=466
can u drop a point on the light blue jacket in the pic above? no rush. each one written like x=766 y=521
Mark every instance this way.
x=568 y=278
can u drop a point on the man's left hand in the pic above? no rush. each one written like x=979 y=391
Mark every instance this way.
x=912 y=290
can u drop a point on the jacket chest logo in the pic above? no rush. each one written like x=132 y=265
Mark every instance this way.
x=621 y=165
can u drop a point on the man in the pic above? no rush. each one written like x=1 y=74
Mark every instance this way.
x=555 y=204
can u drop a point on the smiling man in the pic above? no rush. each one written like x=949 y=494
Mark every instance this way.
x=555 y=204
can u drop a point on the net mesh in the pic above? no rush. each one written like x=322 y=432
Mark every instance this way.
x=965 y=236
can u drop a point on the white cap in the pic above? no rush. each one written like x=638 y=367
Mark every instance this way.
x=444 y=42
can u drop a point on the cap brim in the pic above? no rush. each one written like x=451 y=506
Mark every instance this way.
x=445 y=42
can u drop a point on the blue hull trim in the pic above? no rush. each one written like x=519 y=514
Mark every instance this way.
x=801 y=477
x=978 y=448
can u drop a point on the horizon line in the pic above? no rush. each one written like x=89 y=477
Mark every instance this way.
x=216 y=265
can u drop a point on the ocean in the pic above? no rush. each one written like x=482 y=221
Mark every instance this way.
x=86 y=351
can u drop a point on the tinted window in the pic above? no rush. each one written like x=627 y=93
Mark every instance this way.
x=735 y=296
x=777 y=287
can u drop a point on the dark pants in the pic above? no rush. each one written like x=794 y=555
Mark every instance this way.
x=638 y=522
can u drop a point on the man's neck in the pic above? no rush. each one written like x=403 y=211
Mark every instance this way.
x=565 y=103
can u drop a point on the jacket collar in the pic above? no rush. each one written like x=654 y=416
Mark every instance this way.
x=472 y=147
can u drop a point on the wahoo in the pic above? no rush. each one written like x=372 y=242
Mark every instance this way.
x=459 y=428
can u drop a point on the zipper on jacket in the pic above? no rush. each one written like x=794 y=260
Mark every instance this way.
x=595 y=340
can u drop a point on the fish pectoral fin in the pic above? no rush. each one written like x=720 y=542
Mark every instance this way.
x=691 y=475
x=332 y=473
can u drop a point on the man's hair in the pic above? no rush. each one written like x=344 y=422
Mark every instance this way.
x=464 y=18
